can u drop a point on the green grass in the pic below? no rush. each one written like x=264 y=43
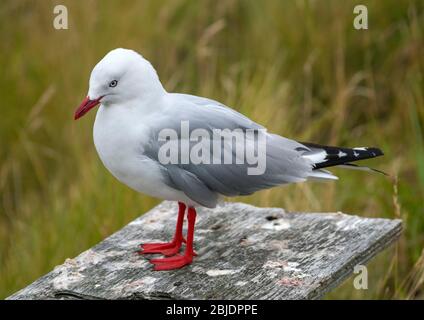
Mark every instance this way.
x=298 y=67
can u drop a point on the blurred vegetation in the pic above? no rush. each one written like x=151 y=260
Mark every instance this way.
x=298 y=67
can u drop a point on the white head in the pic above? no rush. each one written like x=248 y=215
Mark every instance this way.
x=121 y=76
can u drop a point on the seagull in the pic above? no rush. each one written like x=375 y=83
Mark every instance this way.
x=134 y=112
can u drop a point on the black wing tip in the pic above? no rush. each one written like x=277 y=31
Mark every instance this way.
x=340 y=155
x=377 y=152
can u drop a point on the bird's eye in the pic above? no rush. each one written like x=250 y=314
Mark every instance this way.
x=113 y=83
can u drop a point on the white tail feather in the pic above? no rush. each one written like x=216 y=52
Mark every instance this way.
x=322 y=175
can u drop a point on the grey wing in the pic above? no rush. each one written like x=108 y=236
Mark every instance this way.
x=204 y=181
x=192 y=186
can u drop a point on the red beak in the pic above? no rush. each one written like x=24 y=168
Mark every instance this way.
x=86 y=106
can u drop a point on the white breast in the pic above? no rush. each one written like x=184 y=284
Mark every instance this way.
x=119 y=135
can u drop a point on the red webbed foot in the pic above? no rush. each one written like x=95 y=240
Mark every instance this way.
x=179 y=261
x=171 y=263
x=168 y=248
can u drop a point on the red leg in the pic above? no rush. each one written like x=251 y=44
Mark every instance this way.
x=179 y=261
x=169 y=248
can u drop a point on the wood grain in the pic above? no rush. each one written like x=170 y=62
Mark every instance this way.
x=244 y=252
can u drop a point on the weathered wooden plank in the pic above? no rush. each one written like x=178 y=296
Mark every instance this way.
x=244 y=253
